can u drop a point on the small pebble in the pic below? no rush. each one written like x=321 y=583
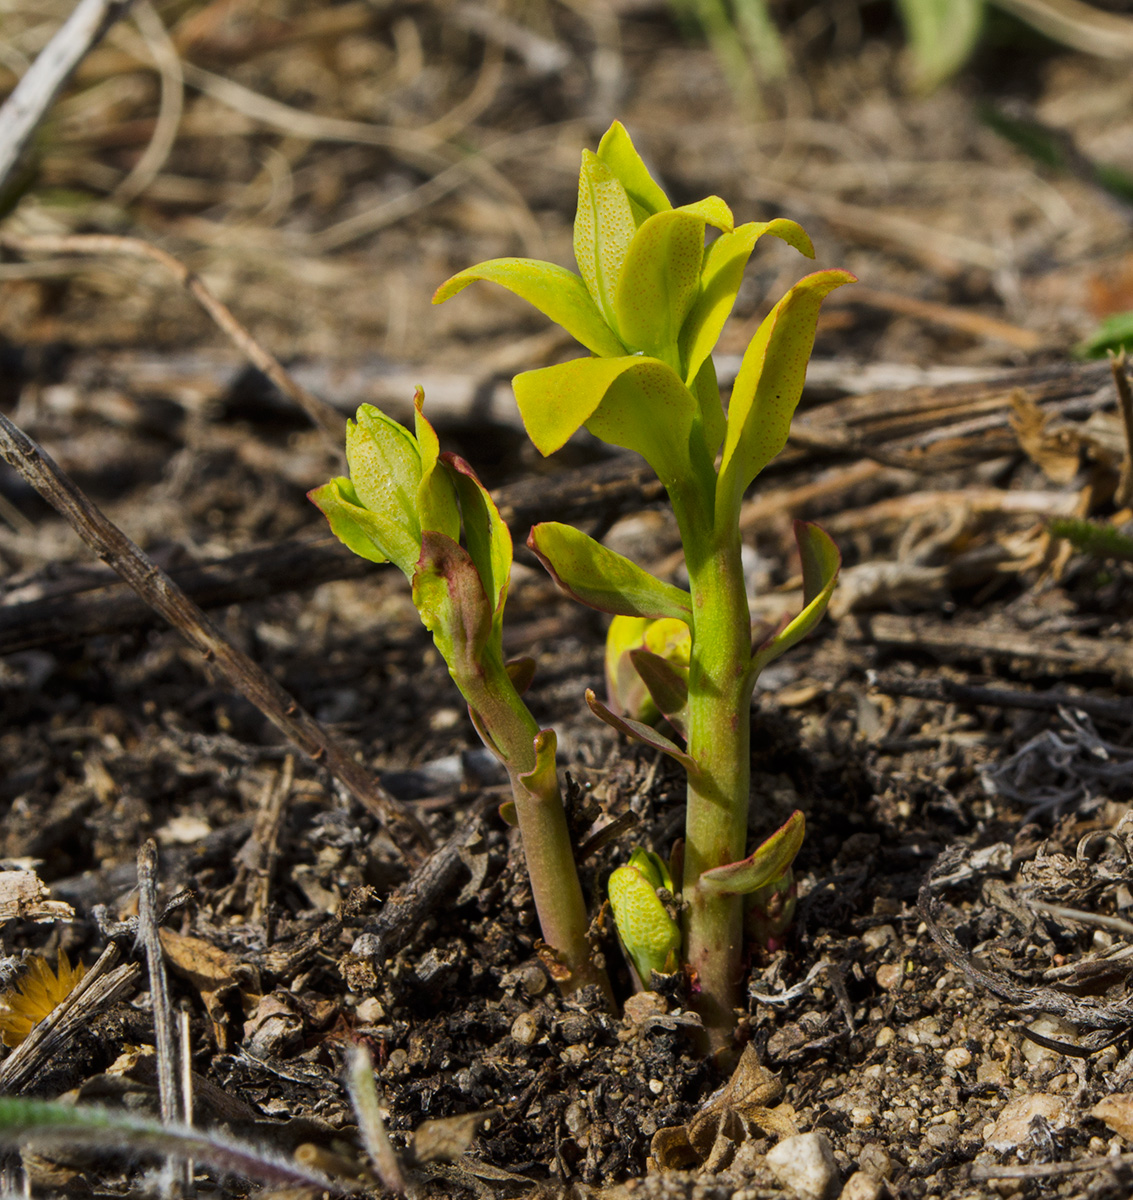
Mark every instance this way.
x=1013 y=1125
x=878 y=936
x=575 y=1119
x=642 y=1005
x=656 y=1086
x=805 y=1163
x=939 y=1137
x=884 y=1036
x=397 y=1061
x=861 y=1186
x=992 y=1072
x=861 y=1118
x=444 y=719
x=889 y=976
x=369 y=1011
x=525 y=1028
x=958 y=1057
x=1116 y=1111
x=533 y=980
x=875 y=1161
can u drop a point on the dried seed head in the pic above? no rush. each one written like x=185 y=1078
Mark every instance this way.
x=36 y=994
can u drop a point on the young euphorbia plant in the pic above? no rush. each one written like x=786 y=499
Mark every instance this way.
x=405 y=502
x=649 y=302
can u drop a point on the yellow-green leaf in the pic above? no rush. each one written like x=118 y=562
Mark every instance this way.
x=821 y=561
x=706 y=390
x=711 y=210
x=356 y=527
x=942 y=35
x=652 y=939
x=618 y=152
x=556 y=292
x=659 y=283
x=385 y=467
x=648 y=409
x=436 y=499
x=604 y=226
x=634 y=402
x=768 y=387
x=602 y=578
x=667 y=638
x=720 y=279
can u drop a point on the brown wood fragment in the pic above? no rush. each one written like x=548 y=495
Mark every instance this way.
x=406 y=910
x=25 y=897
x=1063 y=652
x=953 y=691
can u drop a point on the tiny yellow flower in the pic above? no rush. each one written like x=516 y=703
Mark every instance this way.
x=38 y=992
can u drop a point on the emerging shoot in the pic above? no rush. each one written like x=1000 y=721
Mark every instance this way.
x=649 y=303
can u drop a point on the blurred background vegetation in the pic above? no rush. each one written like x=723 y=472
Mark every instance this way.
x=323 y=166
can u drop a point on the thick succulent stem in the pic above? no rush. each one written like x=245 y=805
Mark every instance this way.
x=528 y=754
x=719 y=740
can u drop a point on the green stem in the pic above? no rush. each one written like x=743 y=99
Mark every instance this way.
x=719 y=739
x=542 y=825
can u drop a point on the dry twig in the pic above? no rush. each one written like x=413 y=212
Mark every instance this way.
x=324 y=417
x=26 y=107
x=158 y=982
x=241 y=672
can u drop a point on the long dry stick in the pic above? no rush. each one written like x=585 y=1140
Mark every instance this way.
x=326 y=418
x=44 y=80
x=150 y=937
x=246 y=676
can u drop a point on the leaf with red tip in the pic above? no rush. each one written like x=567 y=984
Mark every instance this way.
x=667 y=685
x=521 y=671
x=508 y=814
x=487 y=537
x=542 y=780
x=760 y=868
x=821 y=561
x=639 y=732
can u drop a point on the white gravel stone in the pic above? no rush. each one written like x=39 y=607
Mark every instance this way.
x=806 y=1164
x=1013 y=1125
x=861 y=1186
